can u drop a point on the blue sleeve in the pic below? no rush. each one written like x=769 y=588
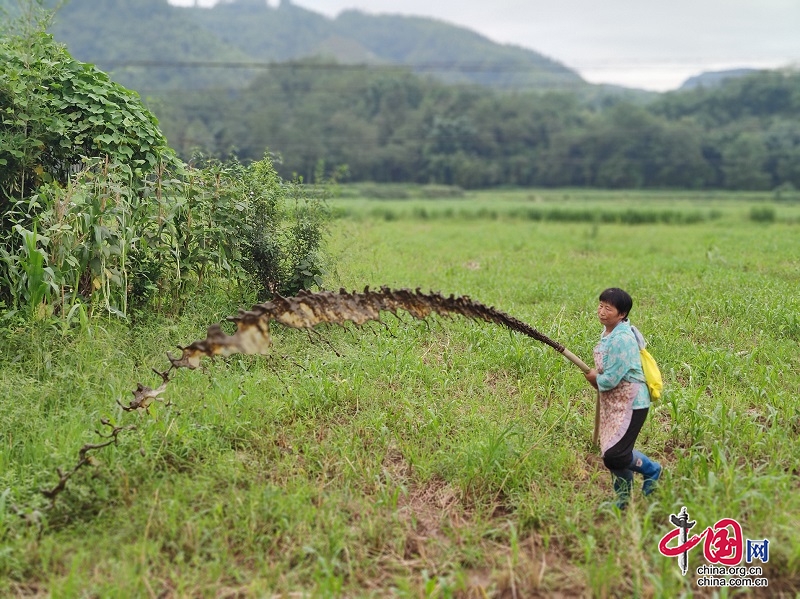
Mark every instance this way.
x=619 y=357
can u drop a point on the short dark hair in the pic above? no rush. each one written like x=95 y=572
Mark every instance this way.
x=619 y=298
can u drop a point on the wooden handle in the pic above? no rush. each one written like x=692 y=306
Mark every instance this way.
x=576 y=360
x=582 y=365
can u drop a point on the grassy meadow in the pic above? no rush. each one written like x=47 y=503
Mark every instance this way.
x=440 y=458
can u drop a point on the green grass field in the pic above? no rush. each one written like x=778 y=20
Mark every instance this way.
x=444 y=458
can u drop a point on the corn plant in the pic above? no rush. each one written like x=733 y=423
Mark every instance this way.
x=27 y=274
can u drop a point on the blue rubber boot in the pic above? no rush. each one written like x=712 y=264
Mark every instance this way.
x=648 y=468
x=623 y=482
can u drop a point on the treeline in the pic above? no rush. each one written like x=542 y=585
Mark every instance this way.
x=382 y=125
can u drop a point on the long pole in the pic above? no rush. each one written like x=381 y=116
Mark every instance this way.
x=307 y=310
x=582 y=365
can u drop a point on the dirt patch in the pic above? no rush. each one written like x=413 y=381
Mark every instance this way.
x=437 y=524
x=395 y=466
x=29 y=591
x=501 y=383
x=428 y=505
x=529 y=572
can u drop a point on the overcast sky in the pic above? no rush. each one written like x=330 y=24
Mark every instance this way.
x=649 y=44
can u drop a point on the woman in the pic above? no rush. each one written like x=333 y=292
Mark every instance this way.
x=624 y=398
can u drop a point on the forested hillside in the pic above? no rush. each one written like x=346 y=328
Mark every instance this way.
x=122 y=34
x=397 y=126
x=714 y=78
x=142 y=44
x=390 y=98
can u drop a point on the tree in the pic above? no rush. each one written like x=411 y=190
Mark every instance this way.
x=743 y=161
x=782 y=141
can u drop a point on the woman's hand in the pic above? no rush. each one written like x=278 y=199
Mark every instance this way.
x=591 y=376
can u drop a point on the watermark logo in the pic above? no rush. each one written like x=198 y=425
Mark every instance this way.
x=724 y=548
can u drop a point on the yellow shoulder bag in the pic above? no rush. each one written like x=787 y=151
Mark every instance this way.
x=652 y=374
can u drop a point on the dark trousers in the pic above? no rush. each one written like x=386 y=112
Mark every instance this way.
x=620 y=455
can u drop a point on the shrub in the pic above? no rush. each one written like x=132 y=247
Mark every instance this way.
x=762 y=214
x=283 y=232
x=786 y=192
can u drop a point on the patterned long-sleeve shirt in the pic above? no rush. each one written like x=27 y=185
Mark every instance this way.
x=620 y=381
x=619 y=353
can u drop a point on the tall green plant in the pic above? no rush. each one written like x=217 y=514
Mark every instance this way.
x=91 y=223
x=283 y=233
x=27 y=274
x=117 y=242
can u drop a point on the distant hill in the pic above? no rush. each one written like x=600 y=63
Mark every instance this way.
x=141 y=41
x=714 y=78
x=454 y=54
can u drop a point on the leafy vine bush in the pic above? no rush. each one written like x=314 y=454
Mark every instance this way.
x=56 y=110
x=97 y=212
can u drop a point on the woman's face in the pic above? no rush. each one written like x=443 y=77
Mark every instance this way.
x=609 y=316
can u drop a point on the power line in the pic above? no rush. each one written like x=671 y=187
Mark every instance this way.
x=452 y=65
x=456 y=66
